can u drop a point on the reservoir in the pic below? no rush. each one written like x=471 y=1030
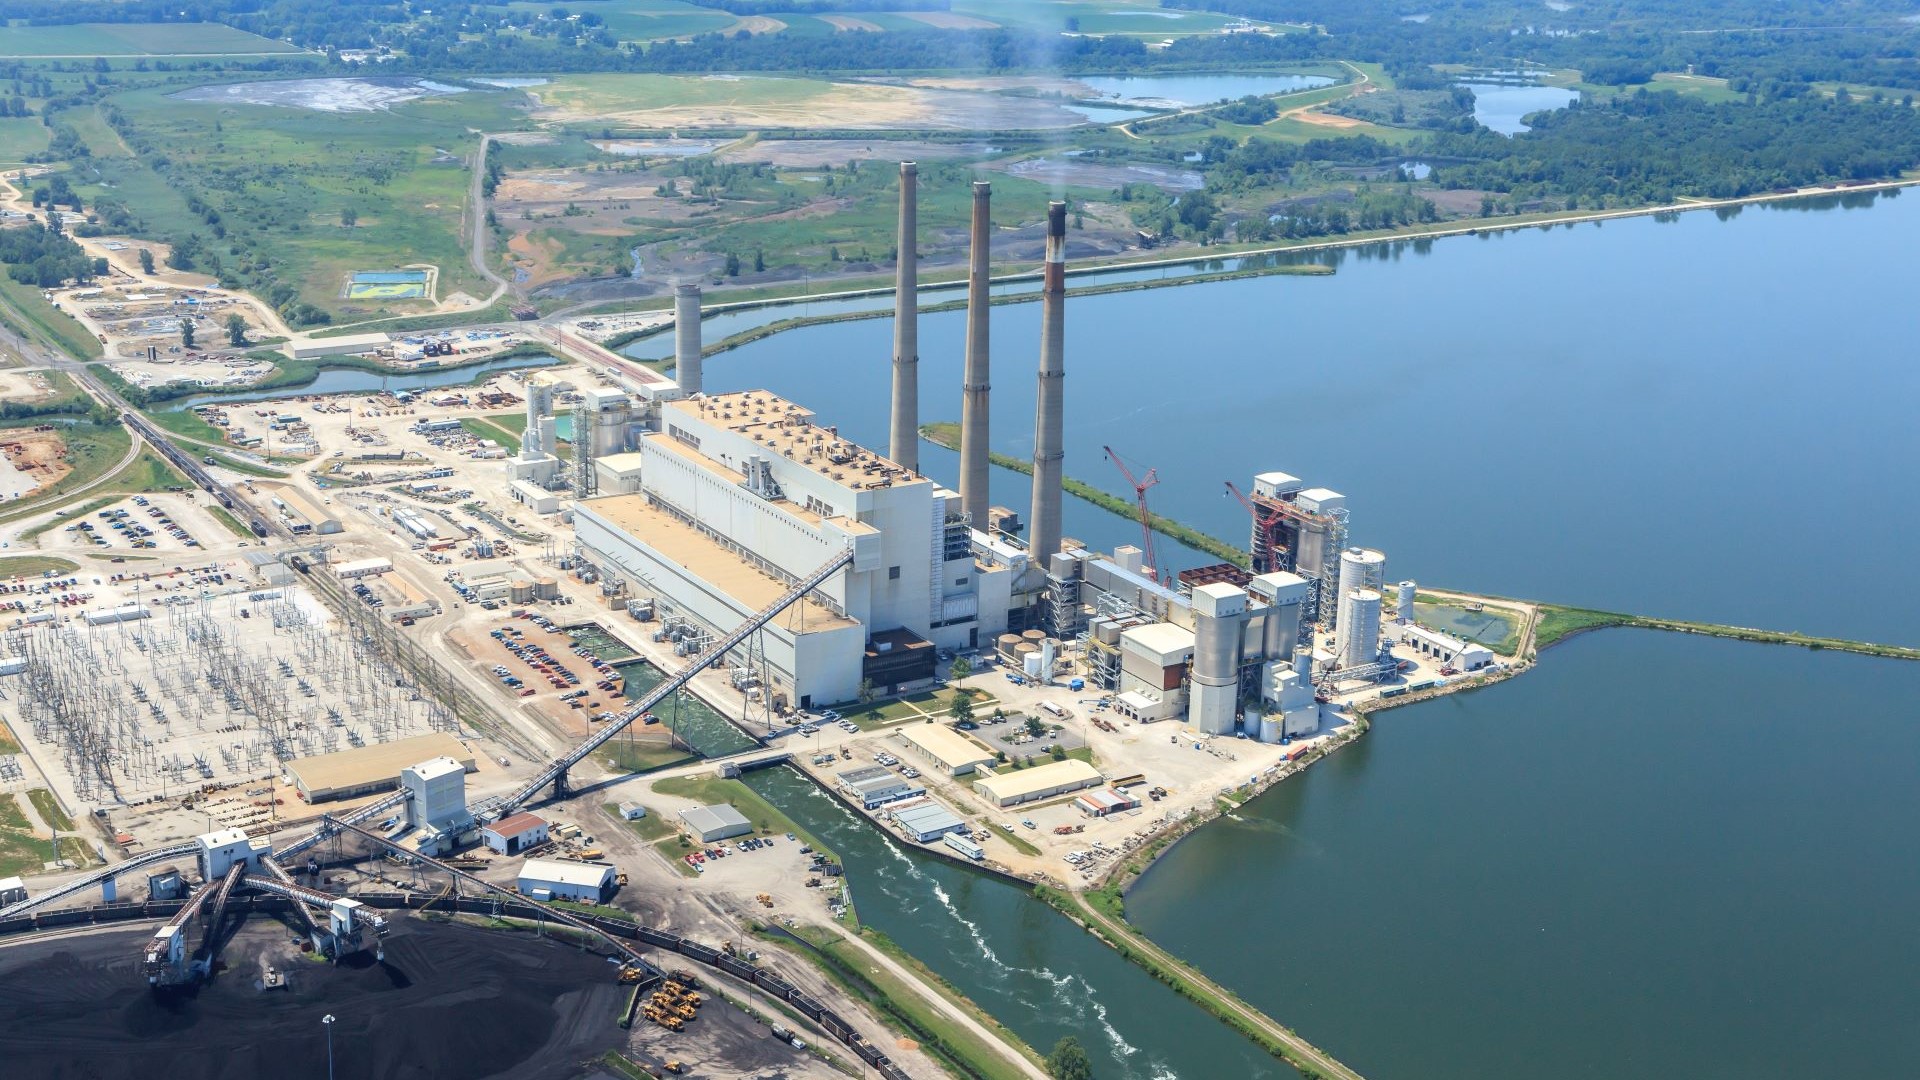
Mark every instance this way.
x=1654 y=855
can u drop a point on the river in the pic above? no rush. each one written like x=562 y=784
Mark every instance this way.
x=1654 y=855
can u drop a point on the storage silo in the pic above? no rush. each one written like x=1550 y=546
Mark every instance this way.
x=1270 y=727
x=1357 y=641
x=520 y=591
x=1219 y=616
x=546 y=589
x=1362 y=568
x=1007 y=643
x=1408 y=591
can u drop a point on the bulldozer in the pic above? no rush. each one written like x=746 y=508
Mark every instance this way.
x=630 y=974
x=765 y=899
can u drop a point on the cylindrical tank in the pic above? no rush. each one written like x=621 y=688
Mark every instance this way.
x=1032 y=663
x=1358 y=639
x=546 y=589
x=1361 y=568
x=1024 y=650
x=1303 y=665
x=1034 y=636
x=520 y=590
x=1407 y=593
x=1005 y=643
x=1270 y=727
x=1280 y=631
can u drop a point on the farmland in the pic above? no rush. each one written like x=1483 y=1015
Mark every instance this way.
x=135 y=39
x=650 y=20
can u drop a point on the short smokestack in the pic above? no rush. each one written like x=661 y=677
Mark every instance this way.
x=975 y=383
x=904 y=445
x=1044 y=527
x=686 y=338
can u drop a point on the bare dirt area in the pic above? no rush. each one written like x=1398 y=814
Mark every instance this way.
x=34 y=460
x=815 y=153
x=448 y=1000
x=1092 y=173
x=947 y=20
x=874 y=106
x=1327 y=120
x=758 y=24
x=25 y=387
x=209 y=369
x=321 y=95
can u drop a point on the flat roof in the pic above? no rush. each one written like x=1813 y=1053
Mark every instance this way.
x=620 y=463
x=886 y=781
x=788 y=431
x=566 y=872
x=365 y=765
x=440 y=766
x=313 y=511
x=747 y=585
x=946 y=745
x=864 y=772
x=1054 y=774
x=927 y=817
x=709 y=818
x=1159 y=639
x=516 y=825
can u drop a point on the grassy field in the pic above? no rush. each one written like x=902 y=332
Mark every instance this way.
x=7 y=745
x=280 y=179
x=134 y=39
x=1147 y=19
x=225 y=517
x=486 y=429
x=13 y=566
x=20 y=850
x=942 y=1035
x=648 y=20
x=23 y=307
x=21 y=136
x=592 y=95
x=643 y=756
x=49 y=809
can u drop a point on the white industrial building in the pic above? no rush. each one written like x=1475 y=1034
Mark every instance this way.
x=742 y=494
x=709 y=824
x=1018 y=786
x=1463 y=655
x=927 y=822
x=515 y=833
x=552 y=879
x=873 y=786
x=437 y=809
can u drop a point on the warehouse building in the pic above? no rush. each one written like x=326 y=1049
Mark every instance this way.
x=950 y=751
x=551 y=879
x=515 y=834
x=1445 y=647
x=1040 y=782
x=709 y=824
x=303 y=515
x=364 y=770
x=1103 y=802
x=928 y=822
x=873 y=786
x=360 y=568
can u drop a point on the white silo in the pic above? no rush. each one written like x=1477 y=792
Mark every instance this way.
x=1361 y=568
x=1357 y=641
x=1283 y=594
x=1407 y=593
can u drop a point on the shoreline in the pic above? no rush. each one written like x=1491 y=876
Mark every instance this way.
x=1480 y=226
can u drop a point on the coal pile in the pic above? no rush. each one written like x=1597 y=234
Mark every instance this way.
x=448 y=1001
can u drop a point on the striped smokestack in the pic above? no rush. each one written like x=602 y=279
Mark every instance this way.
x=975 y=383
x=686 y=338
x=1044 y=528
x=904 y=444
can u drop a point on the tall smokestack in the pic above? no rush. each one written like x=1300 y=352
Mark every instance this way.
x=904 y=445
x=686 y=338
x=975 y=384
x=1044 y=527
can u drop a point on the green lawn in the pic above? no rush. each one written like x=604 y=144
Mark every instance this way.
x=651 y=828
x=23 y=306
x=643 y=756
x=133 y=39
x=1560 y=622
x=225 y=517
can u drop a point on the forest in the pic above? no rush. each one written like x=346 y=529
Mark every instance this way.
x=44 y=257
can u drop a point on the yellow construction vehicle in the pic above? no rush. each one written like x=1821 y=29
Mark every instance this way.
x=590 y=853
x=621 y=877
x=631 y=974
x=684 y=1012
x=675 y=1067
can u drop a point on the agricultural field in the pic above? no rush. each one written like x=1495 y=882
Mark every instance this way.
x=21 y=136
x=134 y=39
x=1143 y=19
x=649 y=20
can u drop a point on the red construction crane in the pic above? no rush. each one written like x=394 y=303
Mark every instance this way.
x=1266 y=531
x=1140 y=486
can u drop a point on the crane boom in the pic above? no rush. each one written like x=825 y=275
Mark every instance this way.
x=1140 y=485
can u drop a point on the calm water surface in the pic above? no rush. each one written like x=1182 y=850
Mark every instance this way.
x=1654 y=856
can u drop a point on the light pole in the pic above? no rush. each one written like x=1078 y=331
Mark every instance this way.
x=327 y=1022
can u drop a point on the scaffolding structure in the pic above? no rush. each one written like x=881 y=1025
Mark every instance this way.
x=198 y=693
